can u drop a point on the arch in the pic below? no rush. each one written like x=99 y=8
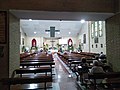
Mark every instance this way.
x=70 y=42
x=34 y=43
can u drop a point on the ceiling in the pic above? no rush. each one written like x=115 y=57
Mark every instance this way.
x=64 y=21
x=67 y=28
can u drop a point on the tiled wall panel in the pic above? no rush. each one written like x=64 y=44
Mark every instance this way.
x=113 y=41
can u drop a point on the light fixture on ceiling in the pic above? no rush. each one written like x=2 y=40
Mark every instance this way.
x=69 y=32
x=46 y=32
x=82 y=21
x=35 y=32
x=30 y=19
x=58 y=32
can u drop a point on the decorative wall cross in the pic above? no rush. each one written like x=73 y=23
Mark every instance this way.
x=52 y=31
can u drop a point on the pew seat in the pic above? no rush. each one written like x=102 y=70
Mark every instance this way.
x=113 y=79
x=23 y=64
x=27 y=80
x=32 y=70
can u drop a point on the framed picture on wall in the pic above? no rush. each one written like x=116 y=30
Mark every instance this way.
x=84 y=38
x=3 y=27
x=22 y=41
x=1 y=51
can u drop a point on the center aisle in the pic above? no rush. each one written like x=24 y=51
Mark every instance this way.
x=63 y=77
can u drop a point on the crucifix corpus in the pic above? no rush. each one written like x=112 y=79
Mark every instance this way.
x=52 y=42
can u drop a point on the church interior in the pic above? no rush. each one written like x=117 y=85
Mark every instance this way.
x=60 y=45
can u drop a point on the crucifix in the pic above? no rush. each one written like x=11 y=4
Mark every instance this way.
x=52 y=31
x=52 y=34
x=52 y=42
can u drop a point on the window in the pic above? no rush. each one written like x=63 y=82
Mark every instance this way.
x=96 y=39
x=96 y=46
x=92 y=45
x=101 y=45
x=96 y=33
x=100 y=23
x=92 y=30
x=96 y=29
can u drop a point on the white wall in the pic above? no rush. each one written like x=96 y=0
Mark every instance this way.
x=22 y=35
x=64 y=41
x=102 y=40
x=84 y=30
x=28 y=41
x=50 y=43
x=39 y=41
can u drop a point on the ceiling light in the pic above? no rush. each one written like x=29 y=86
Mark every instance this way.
x=69 y=32
x=46 y=32
x=35 y=32
x=58 y=32
x=82 y=21
x=30 y=19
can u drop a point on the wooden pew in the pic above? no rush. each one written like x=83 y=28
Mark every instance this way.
x=40 y=56
x=90 y=54
x=32 y=70
x=80 y=71
x=26 y=54
x=109 y=76
x=36 y=60
x=76 y=57
x=23 y=64
x=27 y=80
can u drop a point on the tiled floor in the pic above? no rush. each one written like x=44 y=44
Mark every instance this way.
x=63 y=79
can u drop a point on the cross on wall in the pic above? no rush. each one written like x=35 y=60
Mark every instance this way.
x=52 y=31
